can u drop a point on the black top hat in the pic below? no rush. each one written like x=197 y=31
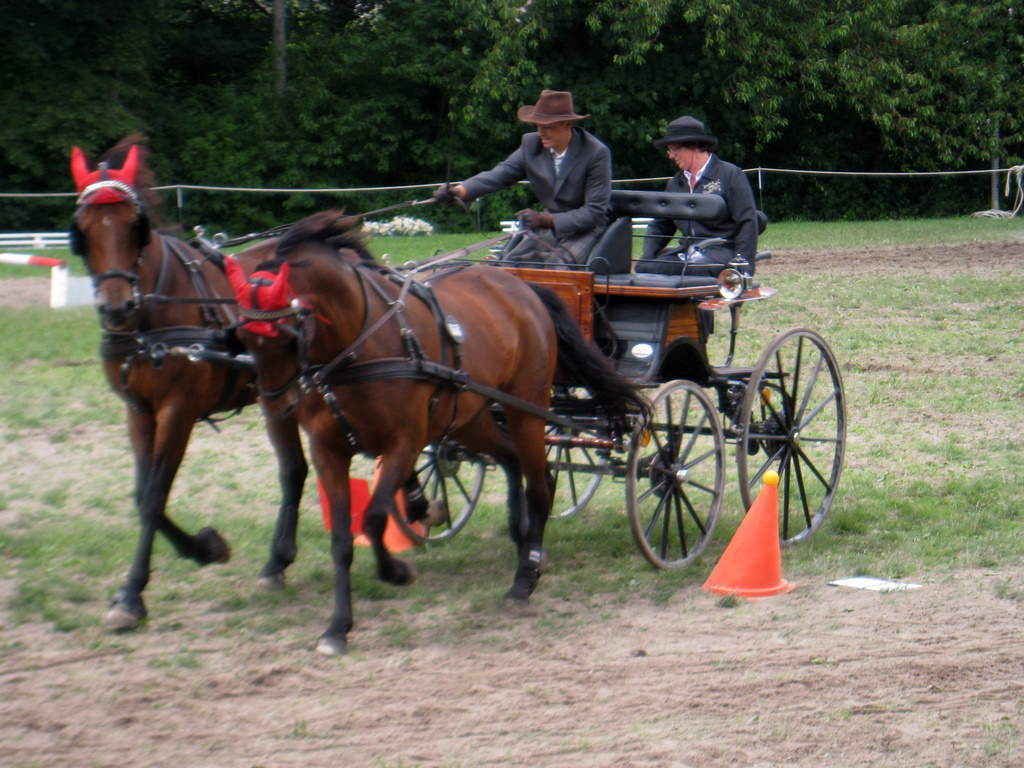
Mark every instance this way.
x=686 y=130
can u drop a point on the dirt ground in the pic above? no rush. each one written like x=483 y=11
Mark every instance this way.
x=823 y=676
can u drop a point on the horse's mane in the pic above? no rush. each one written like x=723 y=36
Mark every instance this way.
x=331 y=228
x=145 y=179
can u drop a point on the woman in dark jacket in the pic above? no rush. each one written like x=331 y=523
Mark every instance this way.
x=691 y=148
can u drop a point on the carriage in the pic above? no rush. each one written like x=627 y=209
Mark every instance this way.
x=785 y=413
x=568 y=377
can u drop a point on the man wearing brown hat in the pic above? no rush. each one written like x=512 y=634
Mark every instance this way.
x=691 y=148
x=569 y=171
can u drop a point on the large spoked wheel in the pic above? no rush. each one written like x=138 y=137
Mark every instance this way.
x=451 y=478
x=577 y=471
x=676 y=476
x=793 y=421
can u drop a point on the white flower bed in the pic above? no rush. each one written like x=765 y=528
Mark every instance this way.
x=404 y=226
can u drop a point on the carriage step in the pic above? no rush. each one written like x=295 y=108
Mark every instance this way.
x=732 y=372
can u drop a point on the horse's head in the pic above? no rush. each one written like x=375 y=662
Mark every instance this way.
x=111 y=230
x=272 y=330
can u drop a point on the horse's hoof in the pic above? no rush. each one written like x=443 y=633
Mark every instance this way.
x=274 y=583
x=331 y=646
x=399 y=573
x=437 y=514
x=543 y=566
x=406 y=572
x=212 y=547
x=120 y=619
x=517 y=608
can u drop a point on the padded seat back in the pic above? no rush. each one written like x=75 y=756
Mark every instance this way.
x=612 y=253
x=666 y=205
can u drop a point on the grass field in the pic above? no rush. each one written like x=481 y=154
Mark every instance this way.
x=936 y=398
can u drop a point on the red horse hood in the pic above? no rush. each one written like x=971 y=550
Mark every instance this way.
x=84 y=177
x=264 y=291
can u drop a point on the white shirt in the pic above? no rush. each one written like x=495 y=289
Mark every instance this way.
x=558 y=158
x=695 y=179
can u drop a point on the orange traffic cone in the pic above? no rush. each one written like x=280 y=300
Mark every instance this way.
x=359 y=493
x=395 y=538
x=751 y=565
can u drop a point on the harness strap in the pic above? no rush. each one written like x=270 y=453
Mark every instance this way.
x=427 y=370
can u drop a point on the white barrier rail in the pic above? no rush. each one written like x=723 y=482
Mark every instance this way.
x=33 y=239
x=65 y=290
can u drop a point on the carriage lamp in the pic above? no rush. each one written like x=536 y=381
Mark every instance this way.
x=735 y=280
x=641 y=351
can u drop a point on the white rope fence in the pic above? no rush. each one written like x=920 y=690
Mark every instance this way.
x=1014 y=173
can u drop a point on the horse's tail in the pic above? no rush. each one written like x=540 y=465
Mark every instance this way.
x=582 y=363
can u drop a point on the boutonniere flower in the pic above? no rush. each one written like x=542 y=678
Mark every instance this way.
x=712 y=187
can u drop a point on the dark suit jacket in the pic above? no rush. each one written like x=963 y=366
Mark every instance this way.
x=739 y=223
x=578 y=199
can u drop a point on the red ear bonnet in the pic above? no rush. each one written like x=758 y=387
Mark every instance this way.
x=84 y=177
x=254 y=293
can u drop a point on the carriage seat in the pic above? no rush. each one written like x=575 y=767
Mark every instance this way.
x=613 y=253
x=654 y=280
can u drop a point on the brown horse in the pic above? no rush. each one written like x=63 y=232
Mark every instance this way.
x=168 y=349
x=380 y=364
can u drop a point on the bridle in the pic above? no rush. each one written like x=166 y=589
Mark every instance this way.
x=299 y=312
x=128 y=195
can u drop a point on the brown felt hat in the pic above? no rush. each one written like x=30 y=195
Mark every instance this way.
x=551 y=107
x=686 y=130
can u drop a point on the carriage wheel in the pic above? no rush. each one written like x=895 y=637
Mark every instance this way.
x=676 y=476
x=793 y=420
x=577 y=472
x=452 y=478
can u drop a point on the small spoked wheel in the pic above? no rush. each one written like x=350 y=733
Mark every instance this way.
x=793 y=420
x=577 y=471
x=451 y=478
x=675 y=479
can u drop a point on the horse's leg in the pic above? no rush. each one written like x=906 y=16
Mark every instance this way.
x=292 y=469
x=334 y=477
x=394 y=471
x=528 y=435
x=416 y=503
x=158 y=442
x=482 y=435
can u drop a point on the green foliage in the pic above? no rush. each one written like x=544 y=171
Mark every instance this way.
x=416 y=92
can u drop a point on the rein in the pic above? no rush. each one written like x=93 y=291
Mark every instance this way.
x=282 y=228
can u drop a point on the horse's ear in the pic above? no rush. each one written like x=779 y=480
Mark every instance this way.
x=79 y=169
x=238 y=281
x=130 y=167
x=276 y=296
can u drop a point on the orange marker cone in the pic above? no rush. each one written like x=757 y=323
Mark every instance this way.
x=395 y=538
x=751 y=565
x=359 y=495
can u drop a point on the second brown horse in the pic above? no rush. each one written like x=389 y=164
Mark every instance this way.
x=372 y=363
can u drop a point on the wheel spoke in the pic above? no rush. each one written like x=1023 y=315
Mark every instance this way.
x=676 y=476
x=814 y=470
x=793 y=419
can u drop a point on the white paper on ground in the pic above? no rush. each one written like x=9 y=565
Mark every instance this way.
x=875 y=585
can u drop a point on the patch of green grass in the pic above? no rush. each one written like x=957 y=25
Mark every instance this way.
x=797 y=235
x=180 y=660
